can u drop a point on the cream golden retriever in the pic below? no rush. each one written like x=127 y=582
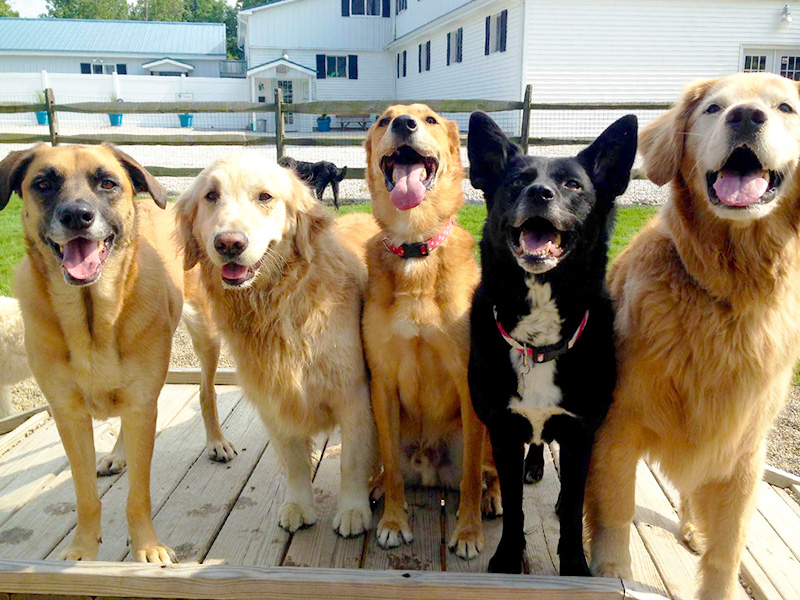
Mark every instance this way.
x=707 y=299
x=101 y=274
x=422 y=275
x=287 y=296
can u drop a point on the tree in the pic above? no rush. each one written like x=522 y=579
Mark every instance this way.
x=158 y=10
x=5 y=10
x=88 y=9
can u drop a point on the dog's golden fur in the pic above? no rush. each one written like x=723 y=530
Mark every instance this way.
x=708 y=331
x=84 y=344
x=294 y=328
x=416 y=335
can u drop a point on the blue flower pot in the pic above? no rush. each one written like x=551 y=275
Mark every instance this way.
x=186 y=120
x=323 y=124
x=42 y=118
x=116 y=119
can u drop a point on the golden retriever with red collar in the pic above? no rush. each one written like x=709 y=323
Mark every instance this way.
x=707 y=299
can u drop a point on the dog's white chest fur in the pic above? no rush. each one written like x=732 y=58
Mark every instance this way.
x=539 y=396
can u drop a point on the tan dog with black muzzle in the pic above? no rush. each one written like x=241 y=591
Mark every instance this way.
x=101 y=292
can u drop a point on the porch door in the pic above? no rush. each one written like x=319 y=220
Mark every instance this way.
x=288 y=98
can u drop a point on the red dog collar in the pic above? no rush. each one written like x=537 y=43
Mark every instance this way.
x=420 y=249
x=542 y=354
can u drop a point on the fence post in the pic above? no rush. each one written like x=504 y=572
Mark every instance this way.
x=51 y=116
x=526 y=119
x=280 y=128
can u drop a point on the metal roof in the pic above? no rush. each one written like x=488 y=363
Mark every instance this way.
x=112 y=37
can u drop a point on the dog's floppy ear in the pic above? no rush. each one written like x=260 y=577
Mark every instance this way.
x=342 y=173
x=312 y=217
x=455 y=139
x=609 y=159
x=661 y=143
x=185 y=211
x=143 y=181
x=489 y=150
x=12 y=171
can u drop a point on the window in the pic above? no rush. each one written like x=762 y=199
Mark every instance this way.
x=97 y=69
x=370 y=8
x=401 y=6
x=109 y=69
x=344 y=67
x=755 y=63
x=790 y=67
x=455 y=44
x=428 y=55
x=496 y=33
x=122 y=69
x=337 y=66
x=86 y=68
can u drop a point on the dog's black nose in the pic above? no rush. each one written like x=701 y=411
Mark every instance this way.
x=746 y=119
x=77 y=215
x=404 y=125
x=540 y=191
x=230 y=243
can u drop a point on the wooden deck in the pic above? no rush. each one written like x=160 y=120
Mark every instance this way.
x=222 y=522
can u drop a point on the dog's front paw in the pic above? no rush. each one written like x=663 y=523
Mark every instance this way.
x=492 y=502
x=351 y=521
x=221 y=450
x=610 y=568
x=392 y=531
x=153 y=552
x=293 y=516
x=506 y=560
x=467 y=541
x=81 y=548
x=111 y=464
x=573 y=564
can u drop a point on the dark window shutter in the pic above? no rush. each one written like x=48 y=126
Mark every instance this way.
x=459 y=44
x=404 y=63
x=345 y=8
x=419 y=59
x=503 y=30
x=122 y=69
x=352 y=66
x=488 y=35
x=428 y=55
x=86 y=68
x=398 y=65
x=448 y=48
x=321 y=74
x=386 y=11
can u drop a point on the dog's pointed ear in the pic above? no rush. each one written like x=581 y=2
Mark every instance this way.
x=12 y=171
x=661 y=143
x=185 y=211
x=489 y=150
x=342 y=173
x=143 y=181
x=609 y=159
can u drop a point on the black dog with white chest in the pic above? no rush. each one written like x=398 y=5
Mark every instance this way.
x=542 y=364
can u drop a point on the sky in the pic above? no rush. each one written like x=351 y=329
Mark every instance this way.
x=34 y=8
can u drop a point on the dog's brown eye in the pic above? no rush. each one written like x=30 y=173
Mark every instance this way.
x=384 y=122
x=430 y=120
x=107 y=184
x=713 y=108
x=264 y=197
x=43 y=185
x=572 y=185
x=785 y=108
x=212 y=196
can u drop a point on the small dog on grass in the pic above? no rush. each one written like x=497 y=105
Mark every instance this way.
x=317 y=175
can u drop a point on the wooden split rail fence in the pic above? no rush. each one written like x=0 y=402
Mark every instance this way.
x=278 y=108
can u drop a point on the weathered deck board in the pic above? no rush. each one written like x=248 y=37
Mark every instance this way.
x=492 y=530
x=176 y=449
x=317 y=546
x=197 y=509
x=542 y=530
x=781 y=517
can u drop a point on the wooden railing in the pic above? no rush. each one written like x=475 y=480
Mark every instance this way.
x=278 y=107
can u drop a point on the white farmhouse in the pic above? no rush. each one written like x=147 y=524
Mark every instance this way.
x=567 y=50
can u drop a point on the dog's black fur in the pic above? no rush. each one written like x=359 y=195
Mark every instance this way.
x=317 y=175
x=576 y=196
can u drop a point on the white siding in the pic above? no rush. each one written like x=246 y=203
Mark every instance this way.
x=597 y=50
x=422 y=12
x=21 y=63
x=315 y=24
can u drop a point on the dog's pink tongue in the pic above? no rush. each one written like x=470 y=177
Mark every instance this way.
x=536 y=242
x=409 y=190
x=738 y=190
x=81 y=258
x=233 y=271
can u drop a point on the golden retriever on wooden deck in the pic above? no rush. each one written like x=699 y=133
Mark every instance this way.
x=287 y=296
x=708 y=321
x=416 y=323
